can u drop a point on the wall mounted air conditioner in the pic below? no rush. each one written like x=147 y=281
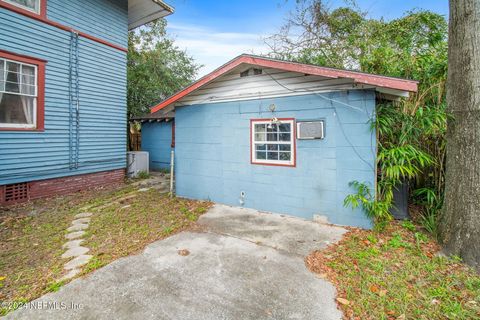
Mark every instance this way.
x=309 y=130
x=137 y=161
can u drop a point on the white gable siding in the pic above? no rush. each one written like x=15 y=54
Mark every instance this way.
x=271 y=83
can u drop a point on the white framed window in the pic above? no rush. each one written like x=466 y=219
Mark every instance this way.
x=30 y=5
x=18 y=94
x=273 y=142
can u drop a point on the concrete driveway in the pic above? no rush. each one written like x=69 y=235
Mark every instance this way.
x=242 y=265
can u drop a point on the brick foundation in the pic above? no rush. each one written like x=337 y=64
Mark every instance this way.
x=66 y=185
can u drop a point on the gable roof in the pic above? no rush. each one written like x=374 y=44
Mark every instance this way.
x=357 y=77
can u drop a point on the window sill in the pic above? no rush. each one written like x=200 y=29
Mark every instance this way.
x=22 y=129
x=292 y=165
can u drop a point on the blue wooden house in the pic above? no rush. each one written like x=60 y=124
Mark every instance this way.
x=63 y=93
x=278 y=136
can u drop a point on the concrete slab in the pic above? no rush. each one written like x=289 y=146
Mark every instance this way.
x=75 y=252
x=75 y=235
x=77 y=262
x=83 y=215
x=287 y=233
x=222 y=278
x=77 y=227
x=81 y=221
x=225 y=275
x=73 y=244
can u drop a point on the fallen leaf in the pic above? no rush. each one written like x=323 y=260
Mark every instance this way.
x=401 y=317
x=374 y=288
x=343 y=301
x=382 y=293
x=2 y=278
x=183 y=252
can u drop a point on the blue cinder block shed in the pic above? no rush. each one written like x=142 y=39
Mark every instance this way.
x=279 y=136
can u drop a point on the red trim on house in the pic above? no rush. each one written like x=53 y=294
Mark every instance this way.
x=358 y=77
x=294 y=151
x=40 y=63
x=43 y=18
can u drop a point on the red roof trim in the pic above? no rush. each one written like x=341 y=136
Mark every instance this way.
x=358 y=77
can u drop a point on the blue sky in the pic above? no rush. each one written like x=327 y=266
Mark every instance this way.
x=214 y=32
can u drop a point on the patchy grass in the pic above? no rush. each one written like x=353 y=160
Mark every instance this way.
x=397 y=274
x=129 y=225
x=124 y=221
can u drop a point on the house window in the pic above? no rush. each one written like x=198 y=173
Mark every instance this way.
x=273 y=142
x=30 y=5
x=21 y=92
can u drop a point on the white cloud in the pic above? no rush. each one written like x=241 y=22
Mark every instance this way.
x=212 y=48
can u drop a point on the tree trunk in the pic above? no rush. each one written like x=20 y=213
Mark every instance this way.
x=460 y=222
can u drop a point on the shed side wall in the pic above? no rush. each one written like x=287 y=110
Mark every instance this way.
x=157 y=140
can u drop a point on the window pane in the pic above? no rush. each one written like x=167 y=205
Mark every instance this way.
x=261 y=147
x=272 y=147
x=284 y=127
x=26 y=89
x=285 y=147
x=272 y=136
x=16 y=109
x=260 y=137
x=272 y=127
x=284 y=136
x=272 y=156
x=2 y=70
x=12 y=84
x=260 y=128
x=285 y=156
x=28 y=75
x=261 y=155
x=29 y=4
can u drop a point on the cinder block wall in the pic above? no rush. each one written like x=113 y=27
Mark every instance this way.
x=212 y=155
x=157 y=140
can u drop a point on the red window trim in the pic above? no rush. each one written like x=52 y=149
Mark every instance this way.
x=42 y=14
x=40 y=63
x=42 y=17
x=294 y=150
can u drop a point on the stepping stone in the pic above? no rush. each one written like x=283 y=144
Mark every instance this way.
x=75 y=235
x=81 y=220
x=83 y=215
x=72 y=273
x=72 y=244
x=77 y=262
x=74 y=252
x=77 y=227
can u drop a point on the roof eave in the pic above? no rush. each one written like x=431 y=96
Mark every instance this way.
x=147 y=11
